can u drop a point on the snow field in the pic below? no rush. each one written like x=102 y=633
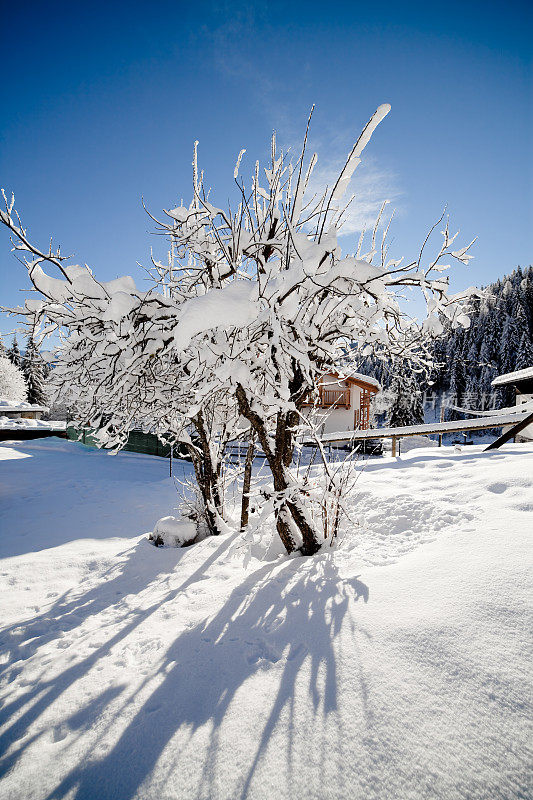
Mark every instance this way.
x=396 y=665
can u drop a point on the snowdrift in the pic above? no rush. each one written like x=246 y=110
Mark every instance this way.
x=396 y=666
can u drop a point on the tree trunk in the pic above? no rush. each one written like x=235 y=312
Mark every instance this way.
x=289 y=511
x=247 y=481
x=207 y=477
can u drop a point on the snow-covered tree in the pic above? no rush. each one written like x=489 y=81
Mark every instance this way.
x=12 y=384
x=252 y=308
x=13 y=353
x=524 y=357
x=405 y=403
x=510 y=340
x=33 y=370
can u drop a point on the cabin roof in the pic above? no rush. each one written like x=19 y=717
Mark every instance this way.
x=358 y=378
x=16 y=405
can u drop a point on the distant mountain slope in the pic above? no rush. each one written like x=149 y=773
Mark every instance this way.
x=499 y=340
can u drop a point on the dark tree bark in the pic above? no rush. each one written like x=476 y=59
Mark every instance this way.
x=247 y=480
x=289 y=512
x=207 y=476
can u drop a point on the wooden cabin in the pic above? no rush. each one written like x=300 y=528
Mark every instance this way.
x=522 y=380
x=343 y=403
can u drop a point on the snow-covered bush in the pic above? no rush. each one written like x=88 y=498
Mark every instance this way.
x=252 y=308
x=12 y=383
x=173 y=532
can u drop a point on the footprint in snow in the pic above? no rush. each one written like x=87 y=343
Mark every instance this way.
x=273 y=625
x=261 y=651
x=300 y=651
x=497 y=488
x=60 y=733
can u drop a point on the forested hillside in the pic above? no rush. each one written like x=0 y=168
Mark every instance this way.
x=499 y=340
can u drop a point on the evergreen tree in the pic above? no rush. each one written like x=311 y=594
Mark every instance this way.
x=525 y=352
x=13 y=353
x=522 y=321
x=32 y=367
x=527 y=294
x=509 y=345
x=406 y=400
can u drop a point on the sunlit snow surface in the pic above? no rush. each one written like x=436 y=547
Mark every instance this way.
x=393 y=667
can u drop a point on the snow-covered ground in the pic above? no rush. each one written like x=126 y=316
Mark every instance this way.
x=396 y=666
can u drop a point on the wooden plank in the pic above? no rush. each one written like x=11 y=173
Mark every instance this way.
x=415 y=430
x=511 y=433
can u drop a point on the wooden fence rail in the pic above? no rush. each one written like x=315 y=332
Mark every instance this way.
x=438 y=428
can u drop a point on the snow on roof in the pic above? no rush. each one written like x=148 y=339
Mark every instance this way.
x=513 y=377
x=15 y=405
x=358 y=376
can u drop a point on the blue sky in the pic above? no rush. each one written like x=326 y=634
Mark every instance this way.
x=101 y=104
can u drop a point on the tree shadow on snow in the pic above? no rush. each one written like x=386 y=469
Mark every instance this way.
x=276 y=620
x=143 y=566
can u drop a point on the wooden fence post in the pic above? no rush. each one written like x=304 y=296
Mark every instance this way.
x=394 y=446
